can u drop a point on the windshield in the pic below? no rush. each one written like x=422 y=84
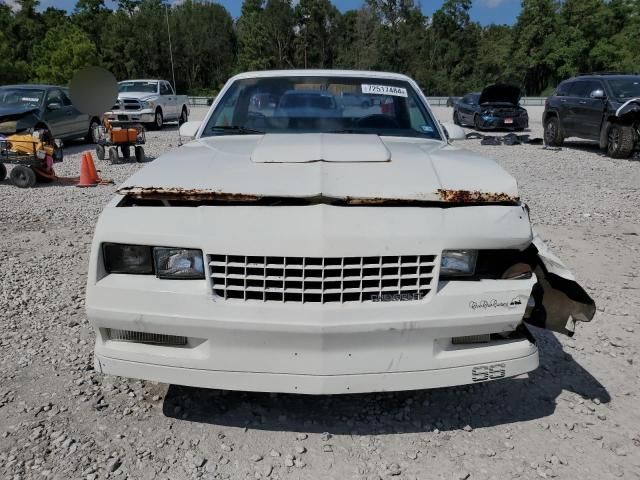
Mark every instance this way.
x=625 y=87
x=321 y=105
x=20 y=97
x=142 y=87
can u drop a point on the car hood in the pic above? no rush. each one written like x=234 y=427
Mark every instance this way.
x=136 y=95
x=500 y=93
x=357 y=169
x=13 y=111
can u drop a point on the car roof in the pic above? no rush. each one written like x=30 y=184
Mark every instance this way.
x=141 y=80
x=320 y=73
x=607 y=76
x=31 y=86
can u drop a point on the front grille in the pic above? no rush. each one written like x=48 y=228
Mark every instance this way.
x=145 y=337
x=322 y=280
x=127 y=104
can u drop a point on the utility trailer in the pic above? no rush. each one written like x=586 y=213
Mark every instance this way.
x=115 y=136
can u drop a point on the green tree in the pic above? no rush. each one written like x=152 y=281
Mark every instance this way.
x=202 y=64
x=64 y=50
x=450 y=50
x=536 y=53
x=355 y=46
x=398 y=34
x=26 y=32
x=265 y=35
x=317 y=24
x=91 y=16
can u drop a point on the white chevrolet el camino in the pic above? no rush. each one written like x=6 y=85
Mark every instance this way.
x=299 y=244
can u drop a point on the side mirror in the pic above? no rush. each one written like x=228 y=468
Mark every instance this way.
x=453 y=132
x=598 y=94
x=54 y=106
x=189 y=129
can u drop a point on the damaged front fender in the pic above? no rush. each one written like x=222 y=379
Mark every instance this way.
x=560 y=300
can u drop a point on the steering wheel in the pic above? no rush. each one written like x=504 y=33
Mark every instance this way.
x=377 y=120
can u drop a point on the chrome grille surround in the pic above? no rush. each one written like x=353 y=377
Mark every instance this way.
x=322 y=280
x=145 y=337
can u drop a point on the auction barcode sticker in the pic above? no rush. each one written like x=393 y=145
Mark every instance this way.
x=384 y=90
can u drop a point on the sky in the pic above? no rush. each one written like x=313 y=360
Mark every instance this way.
x=483 y=11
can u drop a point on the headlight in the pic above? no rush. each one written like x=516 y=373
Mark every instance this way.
x=148 y=104
x=178 y=263
x=134 y=259
x=165 y=262
x=457 y=263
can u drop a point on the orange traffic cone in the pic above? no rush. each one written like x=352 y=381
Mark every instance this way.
x=92 y=168
x=86 y=179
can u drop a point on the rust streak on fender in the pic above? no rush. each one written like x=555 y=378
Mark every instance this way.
x=468 y=196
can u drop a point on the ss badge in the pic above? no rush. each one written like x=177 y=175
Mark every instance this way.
x=483 y=373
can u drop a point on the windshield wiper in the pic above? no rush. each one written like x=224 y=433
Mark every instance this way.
x=351 y=130
x=236 y=129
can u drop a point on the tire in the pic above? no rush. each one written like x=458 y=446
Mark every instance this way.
x=456 y=119
x=159 y=120
x=23 y=177
x=184 y=116
x=476 y=122
x=552 y=134
x=620 y=141
x=139 y=151
x=3 y=172
x=113 y=155
x=126 y=151
x=100 y=152
x=91 y=135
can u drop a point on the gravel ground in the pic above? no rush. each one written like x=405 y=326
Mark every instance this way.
x=577 y=416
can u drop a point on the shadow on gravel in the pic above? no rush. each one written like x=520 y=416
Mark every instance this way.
x=480 y=405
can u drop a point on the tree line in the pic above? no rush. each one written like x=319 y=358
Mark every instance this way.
x=446 y=53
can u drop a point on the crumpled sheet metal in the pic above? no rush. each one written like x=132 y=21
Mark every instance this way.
x=629 y=107
x=562 y=301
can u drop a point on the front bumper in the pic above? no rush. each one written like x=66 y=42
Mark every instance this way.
x=492 y=122
x=141 y=116
x=310 y=348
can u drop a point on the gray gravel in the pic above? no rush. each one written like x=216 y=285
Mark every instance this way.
x=575 y=417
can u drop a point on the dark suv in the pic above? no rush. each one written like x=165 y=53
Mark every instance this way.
x=600 y=107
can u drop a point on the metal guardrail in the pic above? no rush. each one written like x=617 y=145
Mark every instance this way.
x=524 y=101
x=200 y=101
x=433 y=101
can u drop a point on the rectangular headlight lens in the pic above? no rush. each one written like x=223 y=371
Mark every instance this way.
x=178 y=263
x=457 y=263
x=121 y=258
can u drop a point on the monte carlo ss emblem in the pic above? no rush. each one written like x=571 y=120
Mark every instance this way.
x=396 y=297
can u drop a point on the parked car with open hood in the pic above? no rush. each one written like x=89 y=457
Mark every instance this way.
x=496 y=107
x=602 y=107
x=351 y=252
x=43 y=107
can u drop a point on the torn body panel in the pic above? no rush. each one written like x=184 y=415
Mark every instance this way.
x=630 y=108
x=560 y=300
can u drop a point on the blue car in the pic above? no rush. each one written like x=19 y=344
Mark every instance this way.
x=495 y=108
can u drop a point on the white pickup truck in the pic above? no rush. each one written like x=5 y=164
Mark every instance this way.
x=151 y=102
